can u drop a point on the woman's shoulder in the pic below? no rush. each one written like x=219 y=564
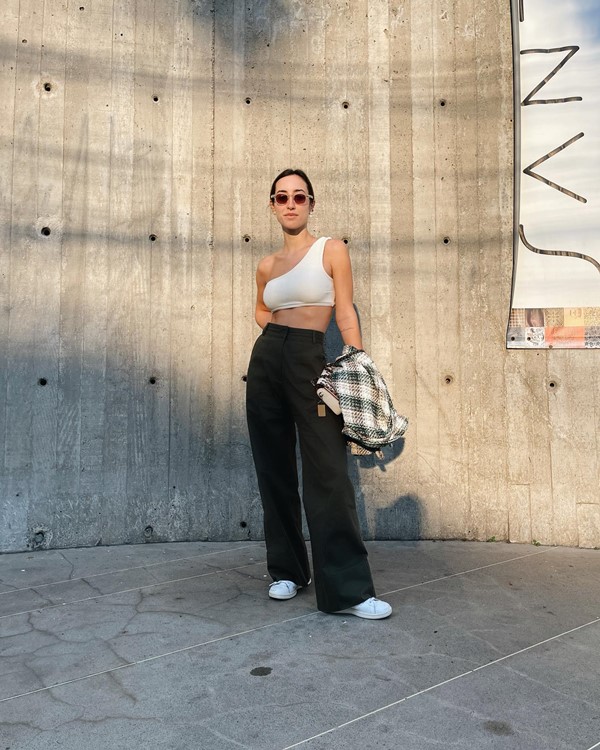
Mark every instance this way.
x=335 y=249
x=335 y=245
x=265 y=266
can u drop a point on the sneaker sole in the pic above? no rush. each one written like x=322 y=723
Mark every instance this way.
x=363 y=615
x=282 y=598
x=288 y=596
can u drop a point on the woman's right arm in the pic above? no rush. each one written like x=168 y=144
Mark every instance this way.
x=262 y=314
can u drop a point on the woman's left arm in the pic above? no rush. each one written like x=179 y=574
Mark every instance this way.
x=346 y=318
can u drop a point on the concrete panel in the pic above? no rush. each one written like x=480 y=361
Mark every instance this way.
x=138 y=145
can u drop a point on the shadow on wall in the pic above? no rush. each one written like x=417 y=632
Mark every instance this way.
x=114 y=436
x=99 y=453
x=400 y=519
x=240 y=35
x=404 y=517
x=122 y=424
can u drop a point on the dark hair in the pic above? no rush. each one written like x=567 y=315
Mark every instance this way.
x=288 y=173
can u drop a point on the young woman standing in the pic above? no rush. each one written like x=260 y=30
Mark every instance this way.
x=297 y=288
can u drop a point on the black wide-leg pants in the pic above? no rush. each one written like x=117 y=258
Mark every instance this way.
x=281 y=397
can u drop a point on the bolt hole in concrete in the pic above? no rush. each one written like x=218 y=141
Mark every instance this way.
x=247 y=238
x=446 y=240
x=152 y=238
x=248 y=100
x=345 y=105
x=47 y=87
x=448 y=380
x=243 y=524
x=152 y=380
x=148 y=531
x=345 y=240
x=553 y=385
x=46 y=231
x=155 y=98
x=261 y=671
x=42 y=381
x=442 y=102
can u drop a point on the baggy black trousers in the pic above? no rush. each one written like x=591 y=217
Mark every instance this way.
x=281 y=397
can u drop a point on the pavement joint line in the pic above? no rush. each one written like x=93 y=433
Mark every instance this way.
x=136 y=567
x=128 y=591
x=192 y=557
x=441 y=684
x=259 y=545
x=157 y=656
x=284 y=622
x=225 y=570
x=464 y=572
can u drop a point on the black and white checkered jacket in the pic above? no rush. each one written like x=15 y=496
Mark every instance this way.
x=370 y=419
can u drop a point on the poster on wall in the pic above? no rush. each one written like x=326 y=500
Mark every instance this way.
x=556 y=275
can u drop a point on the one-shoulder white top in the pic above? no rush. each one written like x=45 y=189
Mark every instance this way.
x=306 y=284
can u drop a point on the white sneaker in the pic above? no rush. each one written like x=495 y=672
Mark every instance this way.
x=283 y=589
x=371 y=609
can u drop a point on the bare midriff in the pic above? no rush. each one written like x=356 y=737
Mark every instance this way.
x=314 y=317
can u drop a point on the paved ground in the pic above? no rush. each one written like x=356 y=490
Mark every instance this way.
x=177 y=646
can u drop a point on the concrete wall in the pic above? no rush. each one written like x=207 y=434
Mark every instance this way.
x=138 y=141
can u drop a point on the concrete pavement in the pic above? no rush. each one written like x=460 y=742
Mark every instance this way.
x=491 y=645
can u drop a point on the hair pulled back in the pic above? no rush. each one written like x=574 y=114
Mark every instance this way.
x=287 y=173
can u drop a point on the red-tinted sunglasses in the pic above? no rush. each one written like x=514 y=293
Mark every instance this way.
x=283 y=198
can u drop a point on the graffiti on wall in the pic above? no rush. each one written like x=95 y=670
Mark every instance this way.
x=556 y=276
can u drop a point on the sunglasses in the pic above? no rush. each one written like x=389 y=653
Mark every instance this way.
x=299 y=198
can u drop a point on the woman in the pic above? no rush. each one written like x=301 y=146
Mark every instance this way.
x=297 y=288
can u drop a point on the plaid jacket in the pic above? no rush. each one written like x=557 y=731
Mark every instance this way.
x=370 y=419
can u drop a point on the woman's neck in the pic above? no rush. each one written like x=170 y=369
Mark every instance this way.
x=293 y=242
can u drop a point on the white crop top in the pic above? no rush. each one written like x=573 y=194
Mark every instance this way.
x=307 y=283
